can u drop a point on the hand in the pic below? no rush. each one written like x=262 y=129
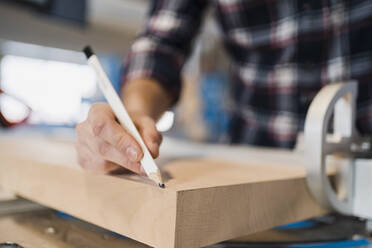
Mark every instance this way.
x=103 y=145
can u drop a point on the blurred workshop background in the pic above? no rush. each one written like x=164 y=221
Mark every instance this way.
x=46 y=83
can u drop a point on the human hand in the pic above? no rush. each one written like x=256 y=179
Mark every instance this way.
x=103 y=145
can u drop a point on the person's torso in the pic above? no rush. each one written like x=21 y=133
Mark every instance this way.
x=283 y=53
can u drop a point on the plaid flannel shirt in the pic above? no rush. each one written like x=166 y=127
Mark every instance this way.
x=283 y=53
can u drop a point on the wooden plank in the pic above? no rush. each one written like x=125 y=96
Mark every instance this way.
x=205 y=201
x=6 y=195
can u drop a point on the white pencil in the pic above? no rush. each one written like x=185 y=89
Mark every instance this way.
x=122 y=115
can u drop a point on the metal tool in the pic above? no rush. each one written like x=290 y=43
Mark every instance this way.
x=325 y=141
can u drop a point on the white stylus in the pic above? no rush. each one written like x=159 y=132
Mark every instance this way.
x=122 y=115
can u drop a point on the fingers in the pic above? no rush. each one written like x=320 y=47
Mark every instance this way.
x=105 y=146
x=151 y=136
x=109 y=153
x=96 y=154
x=103 y=124
x=90 y=162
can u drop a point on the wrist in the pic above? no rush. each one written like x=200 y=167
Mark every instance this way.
x=145 y=97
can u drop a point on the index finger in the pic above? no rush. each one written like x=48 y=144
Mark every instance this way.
x=104 y=125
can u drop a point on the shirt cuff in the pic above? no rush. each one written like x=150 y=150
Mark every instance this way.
x=158 y=66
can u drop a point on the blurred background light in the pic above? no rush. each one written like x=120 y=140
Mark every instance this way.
x=53 y=90
x=12 y=109
x=166 y=122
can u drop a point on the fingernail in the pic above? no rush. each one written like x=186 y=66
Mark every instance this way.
x=132 y=153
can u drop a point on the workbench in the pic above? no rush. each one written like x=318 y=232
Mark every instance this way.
x=44 y=228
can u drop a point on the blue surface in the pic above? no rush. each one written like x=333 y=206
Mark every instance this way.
x=339 y=244
x=335 y=244
x=299 y=224
x=214 y=96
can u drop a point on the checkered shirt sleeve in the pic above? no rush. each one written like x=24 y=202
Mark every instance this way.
x=162 y=48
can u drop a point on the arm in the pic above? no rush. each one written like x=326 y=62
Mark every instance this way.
x=161 y=50
x=139 y=96
x=152 y=85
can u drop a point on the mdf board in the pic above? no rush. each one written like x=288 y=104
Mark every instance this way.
x=205 y=201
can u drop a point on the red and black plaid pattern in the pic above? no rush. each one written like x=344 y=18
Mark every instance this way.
x=283 y=52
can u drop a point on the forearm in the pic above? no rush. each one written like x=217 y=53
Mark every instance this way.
x=147 y=97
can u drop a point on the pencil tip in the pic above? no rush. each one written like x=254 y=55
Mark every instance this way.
x=156 y=177
x=88 y=51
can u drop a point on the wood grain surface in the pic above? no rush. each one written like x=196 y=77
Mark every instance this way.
x=206 y=200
